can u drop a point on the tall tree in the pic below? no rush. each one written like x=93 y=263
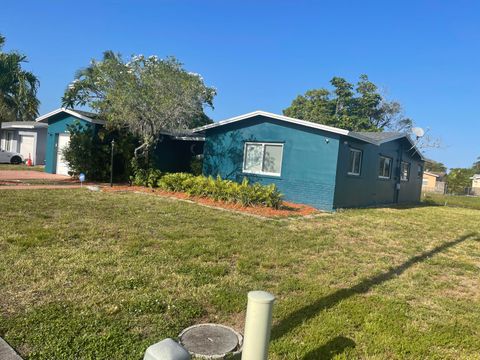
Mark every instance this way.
x=144 y=95
x=357 y=108
x=459 y=179
x=18 y=87
x=435 y=166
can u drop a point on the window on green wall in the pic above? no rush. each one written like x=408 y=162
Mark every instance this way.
x=385 y=167
x=404 y=171
x=355 y=163
x=9 y=141
x=263 y=158
x=420 y=171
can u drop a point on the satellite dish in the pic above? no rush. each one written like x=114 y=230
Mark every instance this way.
x=418 y=131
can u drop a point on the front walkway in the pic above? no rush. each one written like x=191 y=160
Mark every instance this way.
x=30 y=175
x=6 y=352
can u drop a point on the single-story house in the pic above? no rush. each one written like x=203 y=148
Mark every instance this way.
x=58 y=137
x=323 y=166
x=476 y=184
x=431 y=182
x=27 y=138
x=175 y=150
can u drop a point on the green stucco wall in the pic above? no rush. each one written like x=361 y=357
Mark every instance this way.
x=309 y=163
x=172 y=155
x=169 y=155
x=368 y=189
x=57 y=124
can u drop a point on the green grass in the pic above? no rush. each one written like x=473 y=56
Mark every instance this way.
x=21 y=167
x=88 y=275
x=471 y=202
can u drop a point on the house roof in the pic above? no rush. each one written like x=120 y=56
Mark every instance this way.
x=379 y=137
x=273 y=116
x=187 y=135
x=375 y=138
x=431 y=174
x=23 y=125
x=94 y=118
x=84 y=115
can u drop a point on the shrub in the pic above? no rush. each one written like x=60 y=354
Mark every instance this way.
x=145 y=177
x=89 y=152
x=222 y=190
x=196 y=165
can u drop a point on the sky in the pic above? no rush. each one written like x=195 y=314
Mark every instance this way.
x=260 y=55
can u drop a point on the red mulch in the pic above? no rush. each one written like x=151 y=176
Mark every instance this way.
x=287 y=209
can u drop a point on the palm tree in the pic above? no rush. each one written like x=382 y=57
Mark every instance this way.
x=18 y=88
x=476 y=164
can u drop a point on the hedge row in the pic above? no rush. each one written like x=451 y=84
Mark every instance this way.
x=242 y=193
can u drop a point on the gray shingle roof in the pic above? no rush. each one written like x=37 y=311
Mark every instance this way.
x=89 y=114
x=378 y=136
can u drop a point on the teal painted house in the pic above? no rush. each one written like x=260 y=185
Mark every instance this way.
x=58 y=136
x=318 y=165
x=172 y=153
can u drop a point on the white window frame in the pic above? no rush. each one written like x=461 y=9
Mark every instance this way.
x=352 y=170
x=420 y=171
x=390 y=173
x=409 y=168
x=9 y=142
x=263 y=157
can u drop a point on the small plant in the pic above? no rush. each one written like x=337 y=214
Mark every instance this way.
x=219 y=189
x=196 y=165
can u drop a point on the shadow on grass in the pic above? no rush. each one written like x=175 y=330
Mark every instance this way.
x=328 y=350
x=301 y=315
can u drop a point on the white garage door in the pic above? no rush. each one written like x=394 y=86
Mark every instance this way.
x=26 y=147
x=62 y=166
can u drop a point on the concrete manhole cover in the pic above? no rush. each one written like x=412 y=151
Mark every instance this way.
x=211 y=341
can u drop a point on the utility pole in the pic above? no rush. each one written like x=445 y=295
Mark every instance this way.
x=111 y=164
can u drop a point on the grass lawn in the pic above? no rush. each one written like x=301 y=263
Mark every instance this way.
x=21 y=167
x=472 y=202
x=88 y=275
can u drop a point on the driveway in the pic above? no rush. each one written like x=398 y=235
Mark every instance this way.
x=30 y=175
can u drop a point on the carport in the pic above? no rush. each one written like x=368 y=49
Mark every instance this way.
x=25 y=137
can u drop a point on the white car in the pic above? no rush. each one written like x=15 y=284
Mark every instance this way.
x=10 y=157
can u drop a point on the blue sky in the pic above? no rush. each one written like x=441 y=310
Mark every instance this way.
x=262 y=54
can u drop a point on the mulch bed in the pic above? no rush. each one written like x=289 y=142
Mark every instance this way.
x=288 y=209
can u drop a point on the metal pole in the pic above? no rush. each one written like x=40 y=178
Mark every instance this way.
x=258 y=324
x=111 y=164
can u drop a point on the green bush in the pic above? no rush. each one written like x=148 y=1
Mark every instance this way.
x=196 y=165
x=222 y=190
x=89 y=152
x=145 y=177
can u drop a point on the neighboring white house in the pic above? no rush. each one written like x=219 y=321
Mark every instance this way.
x=476 y=184
x=28 y=138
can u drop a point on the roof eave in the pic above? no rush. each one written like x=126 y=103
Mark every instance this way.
x=44 y=118
x=273 y=116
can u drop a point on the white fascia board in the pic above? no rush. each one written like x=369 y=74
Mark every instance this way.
x=45 y=117
x=19 y=125
x=401 y=136
x=305 y=123
x=413 y=146
x=188 y=138
x=273 y=116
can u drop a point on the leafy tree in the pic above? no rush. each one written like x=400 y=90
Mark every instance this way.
x=458 y=179
x=435 y=166
x=18 y=88
x=143 y=95
x=357 y=108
